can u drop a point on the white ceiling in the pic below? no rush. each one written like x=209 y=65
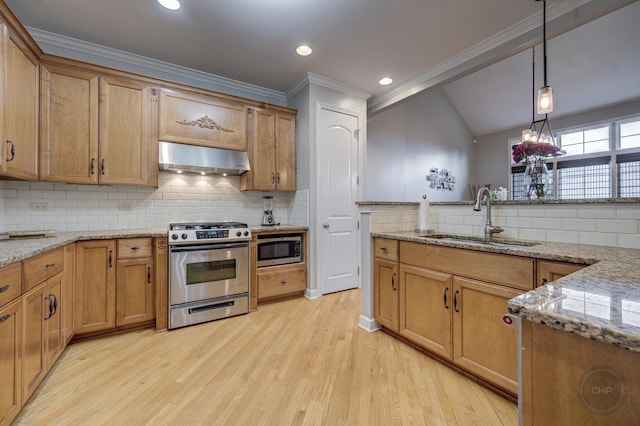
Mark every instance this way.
x=355 y=42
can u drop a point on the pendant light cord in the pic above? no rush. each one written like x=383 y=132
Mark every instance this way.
x=544 y=37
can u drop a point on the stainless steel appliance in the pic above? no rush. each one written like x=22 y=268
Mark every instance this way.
x=279 y=249
x=208 y=271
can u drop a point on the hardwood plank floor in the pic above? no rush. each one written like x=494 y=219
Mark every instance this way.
x=296 y=362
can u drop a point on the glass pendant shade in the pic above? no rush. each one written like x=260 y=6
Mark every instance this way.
x=545 y=100
x=526 y=135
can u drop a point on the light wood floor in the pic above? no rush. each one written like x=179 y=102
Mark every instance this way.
x=296 y=362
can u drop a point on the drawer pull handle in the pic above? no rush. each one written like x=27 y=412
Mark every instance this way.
x=92 y=166
x=102 y=165
x=4 y=318
x=110 y=259
x=49 y=265
x=283 y=282
x=135 y=248
x=393 y=281
x=455 y=301
x=4 y=288
x=383 y=248
x=149 y=275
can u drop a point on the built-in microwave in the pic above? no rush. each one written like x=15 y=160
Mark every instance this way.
x=279 y=249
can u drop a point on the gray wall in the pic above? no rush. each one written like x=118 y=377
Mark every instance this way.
x=492 y=151
x=405 y=141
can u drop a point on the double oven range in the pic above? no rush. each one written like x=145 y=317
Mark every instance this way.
x=208 y=271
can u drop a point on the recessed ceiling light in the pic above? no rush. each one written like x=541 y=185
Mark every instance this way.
x=303 y=50
x=170 y=4
x=385 y=81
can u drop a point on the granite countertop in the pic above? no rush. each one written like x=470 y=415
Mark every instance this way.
x=17 y=249
x=599 y=302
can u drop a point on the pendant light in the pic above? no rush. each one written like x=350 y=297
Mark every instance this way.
x=545 y=94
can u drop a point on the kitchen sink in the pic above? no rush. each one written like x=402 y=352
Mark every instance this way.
x=481 y=241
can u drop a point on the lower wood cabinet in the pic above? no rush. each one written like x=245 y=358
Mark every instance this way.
x=386 y=294
x=281 y=281
x=42 y=339
x=95 y=286
x=453 y=316
x=114 y=284
x=10 y=360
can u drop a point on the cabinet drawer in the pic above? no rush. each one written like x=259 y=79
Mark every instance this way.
x=385 y=248
x=10 y=283
x=42 y=267
x=508 y=270
x=134 y=247
x=281 y=280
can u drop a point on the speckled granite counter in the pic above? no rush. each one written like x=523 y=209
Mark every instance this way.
x=600 y=302
x=15 y=250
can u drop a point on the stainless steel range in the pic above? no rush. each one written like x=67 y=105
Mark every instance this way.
x=208 y=271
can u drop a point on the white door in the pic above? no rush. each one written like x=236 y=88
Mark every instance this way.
x=338 y=192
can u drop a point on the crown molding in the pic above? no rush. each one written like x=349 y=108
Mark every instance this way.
x=565 y=15
x=69 y=47
x=317 y=80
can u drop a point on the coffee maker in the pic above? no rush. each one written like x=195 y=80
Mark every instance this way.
x=267 y=216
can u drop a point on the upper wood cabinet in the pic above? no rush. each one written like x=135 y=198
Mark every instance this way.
x=18 y=108
x=97 y=130
x=272 y=151
x=202 y=120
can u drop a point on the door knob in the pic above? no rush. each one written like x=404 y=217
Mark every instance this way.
x=326 y=226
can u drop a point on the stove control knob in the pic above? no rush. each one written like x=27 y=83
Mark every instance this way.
x=184 y=236
x=246 y=233
x=239 y=234
x=174 y=236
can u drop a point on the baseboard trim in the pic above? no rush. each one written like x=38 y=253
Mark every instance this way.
x=312 y=293
x=368 y=324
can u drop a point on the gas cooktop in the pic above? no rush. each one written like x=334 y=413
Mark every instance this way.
x=208 y=232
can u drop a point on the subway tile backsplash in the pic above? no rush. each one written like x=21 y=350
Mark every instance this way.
x=616 y=225
x=178 y=198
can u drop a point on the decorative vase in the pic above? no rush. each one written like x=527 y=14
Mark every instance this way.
x=536 y=178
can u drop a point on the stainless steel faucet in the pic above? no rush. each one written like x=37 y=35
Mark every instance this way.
x=489 y=229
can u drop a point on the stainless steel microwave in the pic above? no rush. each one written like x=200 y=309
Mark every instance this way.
x=279 y=249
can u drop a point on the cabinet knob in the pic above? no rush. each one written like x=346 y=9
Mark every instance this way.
x=283 y=282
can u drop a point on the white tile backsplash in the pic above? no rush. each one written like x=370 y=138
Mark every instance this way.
x=616 y=225
x=178 y=198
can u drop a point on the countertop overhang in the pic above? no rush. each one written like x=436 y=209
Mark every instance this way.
x=599 y=302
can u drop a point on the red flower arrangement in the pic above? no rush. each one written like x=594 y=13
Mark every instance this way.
x=525 y=150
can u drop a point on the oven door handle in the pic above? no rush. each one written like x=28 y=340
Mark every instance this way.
x=202 y=247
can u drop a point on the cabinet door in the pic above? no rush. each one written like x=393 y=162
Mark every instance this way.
x=95 y=286
x=285 y=160
x=127 y=141
x=482 y=344
x=134 y=294
x=549 y=271
x=35 y=310
x=10 y=361
x=68 y=125
x=425 y=308
x=54 y=308
x=20 y=110
x=386 y=294
x=262 y=176
x=202 y=120
x=66 y=296
x=281 y=280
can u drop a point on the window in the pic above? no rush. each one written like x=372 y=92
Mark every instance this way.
x=601 y=161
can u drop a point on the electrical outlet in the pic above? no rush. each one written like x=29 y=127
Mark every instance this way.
x=125 y=206
x=40 y=206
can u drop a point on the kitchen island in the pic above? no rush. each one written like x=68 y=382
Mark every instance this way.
x=580 y=333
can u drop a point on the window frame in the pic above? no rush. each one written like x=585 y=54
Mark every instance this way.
x=611 y=154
